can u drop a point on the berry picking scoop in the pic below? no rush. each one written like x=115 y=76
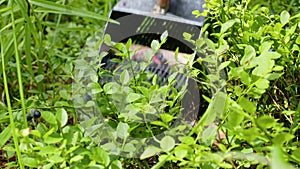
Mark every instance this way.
x=146 y=20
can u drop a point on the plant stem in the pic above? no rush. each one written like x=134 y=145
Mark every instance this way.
x=12 y=123
x=18 y=68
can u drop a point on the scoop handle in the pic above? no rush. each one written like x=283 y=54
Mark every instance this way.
x=163 y=3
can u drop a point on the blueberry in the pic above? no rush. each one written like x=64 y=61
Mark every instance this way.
x=36 y=114
x=87 y=97
x=28 y=117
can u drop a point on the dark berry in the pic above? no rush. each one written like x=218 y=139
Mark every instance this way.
x=28 y=117
x=36 y=114
x=87 y=97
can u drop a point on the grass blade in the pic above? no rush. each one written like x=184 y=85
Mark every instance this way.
x=12 y=123
x=67 y=10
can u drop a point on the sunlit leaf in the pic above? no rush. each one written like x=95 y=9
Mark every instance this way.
x=278 y=160
x=228 y=25
x=150 y=151
x=124 y=77
x=30 y=162
x=249 y=53
x=284 y=17
x=62 y=117
x=122 y=130
x=266 y=121
x=133 y=97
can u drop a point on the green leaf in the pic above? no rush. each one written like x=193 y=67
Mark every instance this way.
x=164 y=36
x=5 y=135
x=128 y=44
x=52 y=140
x=298 y=40
x=76 y=158
x=166 y=117
x=266 y=122
x=278 y=160
x=30 y=162
x=296 y=154
x=133 y=97
x=48 y=117
x=129 y=147
x=39 y=78
x=284 y=17
x=159 y=123
x=155 y=45
x=273 y=55
x=249 y=53
x=266 y=46
x=187 y=36
x=225 y=165
x=247 y=105
x=94 y=87
x=236 y=115
x=265 y=65
x=216 y=107
x=222 y=49
x=56 y=158
x=262 y=83
x=180 y=152
x=36 y=133
x=167 y=143
x=245 y=78
x=228 y=25
x=100 y=156
x=121 y=47
x=250 y=134
x=224 y=65
x=187 y=140
x=278 y=68
x=209 y=134
x=64 y=94
x=273 y=76
x=111 y=88
x=288 y=112
x=62 y=117
x=107 y=40
x=122 y=130
x=116 y=165
x=48 y=150
x=48 y=166
x=124 y=77
x=150 y=151
x=282 y=138
x=235 y=72
x=68 y=10
x=3 y=106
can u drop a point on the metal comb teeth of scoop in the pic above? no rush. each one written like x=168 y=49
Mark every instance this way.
x=162 y=69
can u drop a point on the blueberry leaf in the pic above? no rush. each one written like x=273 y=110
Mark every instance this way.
x=167 y=143
x=284 y=17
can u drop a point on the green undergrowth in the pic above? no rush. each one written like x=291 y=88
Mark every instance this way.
x=249 y=82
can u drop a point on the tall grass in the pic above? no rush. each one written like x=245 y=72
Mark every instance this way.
x=12 y=123
x=22 y=43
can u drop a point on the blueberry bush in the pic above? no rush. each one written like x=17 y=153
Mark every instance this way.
x=51 y=76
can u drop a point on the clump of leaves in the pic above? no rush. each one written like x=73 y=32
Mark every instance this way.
x=259 y=51
x=130 y=111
